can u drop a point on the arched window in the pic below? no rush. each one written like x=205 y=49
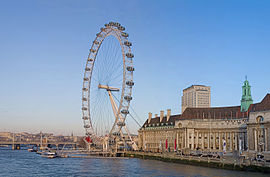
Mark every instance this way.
x=259 y=119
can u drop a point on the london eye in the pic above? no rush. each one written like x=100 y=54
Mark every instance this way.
x=107 y=88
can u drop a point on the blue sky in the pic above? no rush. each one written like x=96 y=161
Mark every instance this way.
x=44 y=46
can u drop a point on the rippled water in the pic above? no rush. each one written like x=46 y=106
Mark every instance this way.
x=23 y=163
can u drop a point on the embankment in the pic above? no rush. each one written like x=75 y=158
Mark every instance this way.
x=222 y=162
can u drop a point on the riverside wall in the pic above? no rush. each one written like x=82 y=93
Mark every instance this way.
x=226 y=162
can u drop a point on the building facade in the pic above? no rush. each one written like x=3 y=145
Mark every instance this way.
x=258 y=130
x=210 y=129
x=196 y=96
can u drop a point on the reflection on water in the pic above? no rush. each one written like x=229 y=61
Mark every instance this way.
x=23 y=163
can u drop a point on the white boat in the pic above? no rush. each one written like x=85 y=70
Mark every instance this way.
x=42 y=150
x=49 y=154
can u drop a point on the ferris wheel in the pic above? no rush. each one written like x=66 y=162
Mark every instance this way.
x=107 y=85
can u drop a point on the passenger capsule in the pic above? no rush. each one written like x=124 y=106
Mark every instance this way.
x=84 y=108
x=117 y=24
x=129 y=55
x=127 y=97
x=88 y=134
x=102 y=29
x=99 y=35
x=124 y=34
x=86 y=79
x=96 y=42
x=87 y=69
x=84 y=99
x=121 y=28
x=86 y=126
x=85 y=118
x=127 y=43
x=130 y=68
x=111 y=23
x=124 y=111
x=116 y=133
x=92 y=50
x=121 y=124
x=106 y=25
x=85 y=89
x=111 y=142
x=90 y=59
x=129 y=83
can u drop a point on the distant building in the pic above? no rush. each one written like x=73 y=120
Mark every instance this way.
x=234 y=128
x=28 y=137
x=196 y=96
x=6 y=134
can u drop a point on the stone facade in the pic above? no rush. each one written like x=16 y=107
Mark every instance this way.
x=211 y=129
x=210 y=134
x=258 y=130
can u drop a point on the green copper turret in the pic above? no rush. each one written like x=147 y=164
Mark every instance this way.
x=246 y=100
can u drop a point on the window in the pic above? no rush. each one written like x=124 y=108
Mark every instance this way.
x=259 y=119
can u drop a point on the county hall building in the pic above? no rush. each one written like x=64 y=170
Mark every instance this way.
x=244 y=127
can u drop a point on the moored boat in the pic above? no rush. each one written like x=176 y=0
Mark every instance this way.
x=50 y=154
x=30 y=150
x=33 y=149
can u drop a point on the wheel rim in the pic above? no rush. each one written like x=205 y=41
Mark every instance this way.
x=111 y=30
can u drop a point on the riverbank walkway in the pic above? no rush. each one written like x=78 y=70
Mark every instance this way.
x=226 y=161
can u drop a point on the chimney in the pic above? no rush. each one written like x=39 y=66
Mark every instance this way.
x=161 y=115
x=149 y=117
x=168 y=114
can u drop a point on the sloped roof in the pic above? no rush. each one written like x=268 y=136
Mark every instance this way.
x=262 y=106
x=232 y=112
x=156 y=120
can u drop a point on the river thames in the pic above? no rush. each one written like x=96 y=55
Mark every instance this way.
x=19 y=163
